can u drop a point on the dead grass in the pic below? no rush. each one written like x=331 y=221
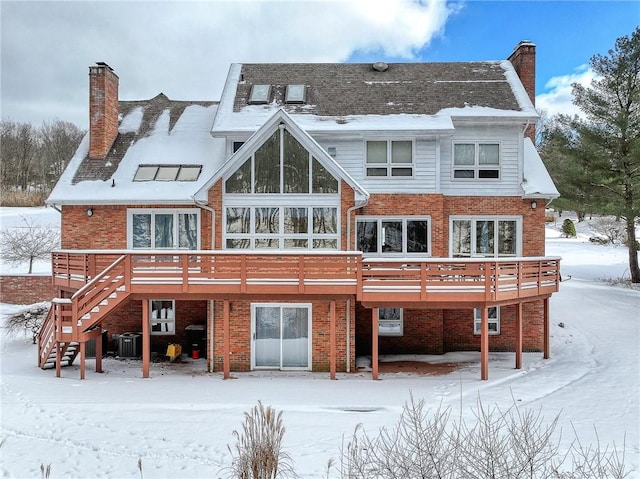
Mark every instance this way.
x=22 y=198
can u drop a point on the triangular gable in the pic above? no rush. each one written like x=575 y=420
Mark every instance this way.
x=236 y=160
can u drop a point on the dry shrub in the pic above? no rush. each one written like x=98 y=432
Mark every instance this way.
x=18 y=198
x=258 y=450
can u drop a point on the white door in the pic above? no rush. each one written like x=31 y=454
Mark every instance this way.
x=281 y=336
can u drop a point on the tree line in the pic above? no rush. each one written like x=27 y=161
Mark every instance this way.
x=32 y=158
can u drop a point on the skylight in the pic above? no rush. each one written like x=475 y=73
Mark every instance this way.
x=260 y=94
x=167 y=173
x=295 y=94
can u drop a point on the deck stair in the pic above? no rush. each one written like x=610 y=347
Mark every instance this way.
x=74 y=320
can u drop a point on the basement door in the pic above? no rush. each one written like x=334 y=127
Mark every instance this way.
x=281 y=336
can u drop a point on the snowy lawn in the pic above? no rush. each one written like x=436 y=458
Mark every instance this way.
x=180 y=421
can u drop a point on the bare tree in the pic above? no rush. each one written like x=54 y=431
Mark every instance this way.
x=28 y=320
x=58 y=142
x=29 y=242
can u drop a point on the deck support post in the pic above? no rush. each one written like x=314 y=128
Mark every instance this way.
x=99 y=353
x=332 y=339
x=225 y=340
x=546 y=346
x=83 y=358
x=519 y=336
x=375 y=315
x=484 y=344
x=146 y=339
x=58 y=358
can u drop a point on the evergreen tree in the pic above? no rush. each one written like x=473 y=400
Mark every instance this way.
x=605 y=145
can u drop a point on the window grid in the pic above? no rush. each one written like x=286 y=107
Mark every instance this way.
x=390 y=321
x=389 y=158
x=494 y=321
x=163 y=229
x=485 y=237
x=386 y=235
x=476 y=160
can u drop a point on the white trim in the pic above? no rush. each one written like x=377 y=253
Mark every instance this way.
x=389 y=165
x=404 y=219
x=166 y=324
x=391 y=323
x=165 y=211
x=496 y=218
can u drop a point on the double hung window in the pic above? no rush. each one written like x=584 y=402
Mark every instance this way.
x=392 y=158
x=164 y=229
x=387 y=235
x=476 y=160
x=485 y=237
x=494 y=320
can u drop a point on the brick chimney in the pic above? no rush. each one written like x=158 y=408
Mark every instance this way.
x=523 y=60
x=103 y=109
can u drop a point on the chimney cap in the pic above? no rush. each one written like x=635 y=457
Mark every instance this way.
x=103 y=64
x=524 y=43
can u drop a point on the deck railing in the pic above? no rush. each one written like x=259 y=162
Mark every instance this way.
x=347 y=273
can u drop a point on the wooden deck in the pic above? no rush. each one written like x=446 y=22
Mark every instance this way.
x=373 y=281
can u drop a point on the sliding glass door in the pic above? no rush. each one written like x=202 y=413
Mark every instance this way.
x=281 y=336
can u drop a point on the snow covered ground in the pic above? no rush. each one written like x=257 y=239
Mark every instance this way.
x=179 y=421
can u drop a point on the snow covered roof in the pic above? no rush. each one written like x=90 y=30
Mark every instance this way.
x=536 y=182
x=355 y=96
x=159 y=132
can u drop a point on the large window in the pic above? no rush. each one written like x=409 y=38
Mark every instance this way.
x=389 y=158
x=390 y=322
x=280 y=227
x=163 y=318
x=476 y=160
x=388 y=235
x=281 y=165
x=164 y=229
x=485 y=237
x=494 y=320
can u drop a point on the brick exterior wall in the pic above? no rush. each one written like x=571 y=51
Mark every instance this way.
x=425 y=331
x=103 y=110
x=240 y=341
x=26 y=289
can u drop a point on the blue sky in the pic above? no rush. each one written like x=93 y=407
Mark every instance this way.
x=184 y=49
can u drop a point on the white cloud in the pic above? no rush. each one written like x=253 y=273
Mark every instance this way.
x=558 y=97
x=184 y=49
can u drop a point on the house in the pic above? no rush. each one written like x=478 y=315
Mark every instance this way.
x=316 y=213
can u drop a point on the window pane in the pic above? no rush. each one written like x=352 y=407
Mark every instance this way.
x=295 y=94
x=463 y=154
x=238 y=243
x=488 y=154
x=417 y=236
x=267 y=220
x=260 y=94
x=240 y=181
x=238 y=220
x=267 y=336
x=290 y=243
x=464 y=174
x=392 y=236
x=295 y=337
x=376 y=151
x=325 y=220
x=484 y=237
x=167 y=173
x=295 y=220
x=401 y=171
x=267 y=168
x=376 y=172
x=189 y=173
x=323 y=181
x=506 y=238
x=490 y=174
x=367 y=236
x=141 y=231
x=401 y=152
x=163 y=231
x=267 y=243
x=461 y=238
x=295 y=165
x=325 y=244
x=188 y=230
x=145 y=173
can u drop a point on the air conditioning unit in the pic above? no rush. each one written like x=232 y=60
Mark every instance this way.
x=129 y=345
